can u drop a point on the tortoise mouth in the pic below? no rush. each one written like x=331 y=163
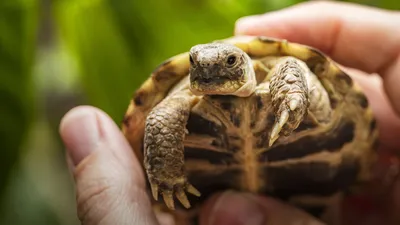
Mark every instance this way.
x=215 y=85
x=211 y=80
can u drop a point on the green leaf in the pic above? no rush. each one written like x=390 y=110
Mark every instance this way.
x=18 y=23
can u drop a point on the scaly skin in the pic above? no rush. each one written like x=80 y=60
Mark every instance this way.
x=163 y=144
x=289 y=93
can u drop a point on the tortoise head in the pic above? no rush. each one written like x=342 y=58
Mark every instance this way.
x=221 y=69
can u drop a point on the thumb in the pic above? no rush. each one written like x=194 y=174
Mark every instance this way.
x=110 y=186
x=239 y=209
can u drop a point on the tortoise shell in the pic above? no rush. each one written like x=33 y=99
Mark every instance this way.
x=226 y=143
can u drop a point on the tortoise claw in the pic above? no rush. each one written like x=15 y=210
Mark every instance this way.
x=278 y=127
x=168 y=199
x=192 y=190
x=294 y=103
x=181 y=196
x=169 y=189
x=154 y=190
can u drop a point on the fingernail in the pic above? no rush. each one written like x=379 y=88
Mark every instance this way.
x=234 y=208
x=80 y=132
x=244 y=23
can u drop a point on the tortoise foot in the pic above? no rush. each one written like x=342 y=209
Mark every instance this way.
x=169 y=188
x=289 y=92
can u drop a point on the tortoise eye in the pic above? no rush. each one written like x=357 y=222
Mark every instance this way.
x=231 y=60
x=191 y=60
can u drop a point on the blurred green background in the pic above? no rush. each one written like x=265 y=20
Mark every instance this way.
x=61 y=53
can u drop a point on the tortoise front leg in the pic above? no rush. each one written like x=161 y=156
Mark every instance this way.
x=296 y=95
x=164 y=150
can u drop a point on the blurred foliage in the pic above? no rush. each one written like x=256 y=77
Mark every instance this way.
x=87 y=52
x=117 y=43
x=18 y=23
x=385 y=4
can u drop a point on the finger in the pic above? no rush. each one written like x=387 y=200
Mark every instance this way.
x=355 y=36
x=165 y=218
x=110 y=186
x=387 y=121
x=238 y=208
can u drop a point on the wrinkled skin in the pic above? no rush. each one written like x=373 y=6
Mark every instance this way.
x=220 y=69
x=110 y=185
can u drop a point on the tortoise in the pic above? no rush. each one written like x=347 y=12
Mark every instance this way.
x=253 y=114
